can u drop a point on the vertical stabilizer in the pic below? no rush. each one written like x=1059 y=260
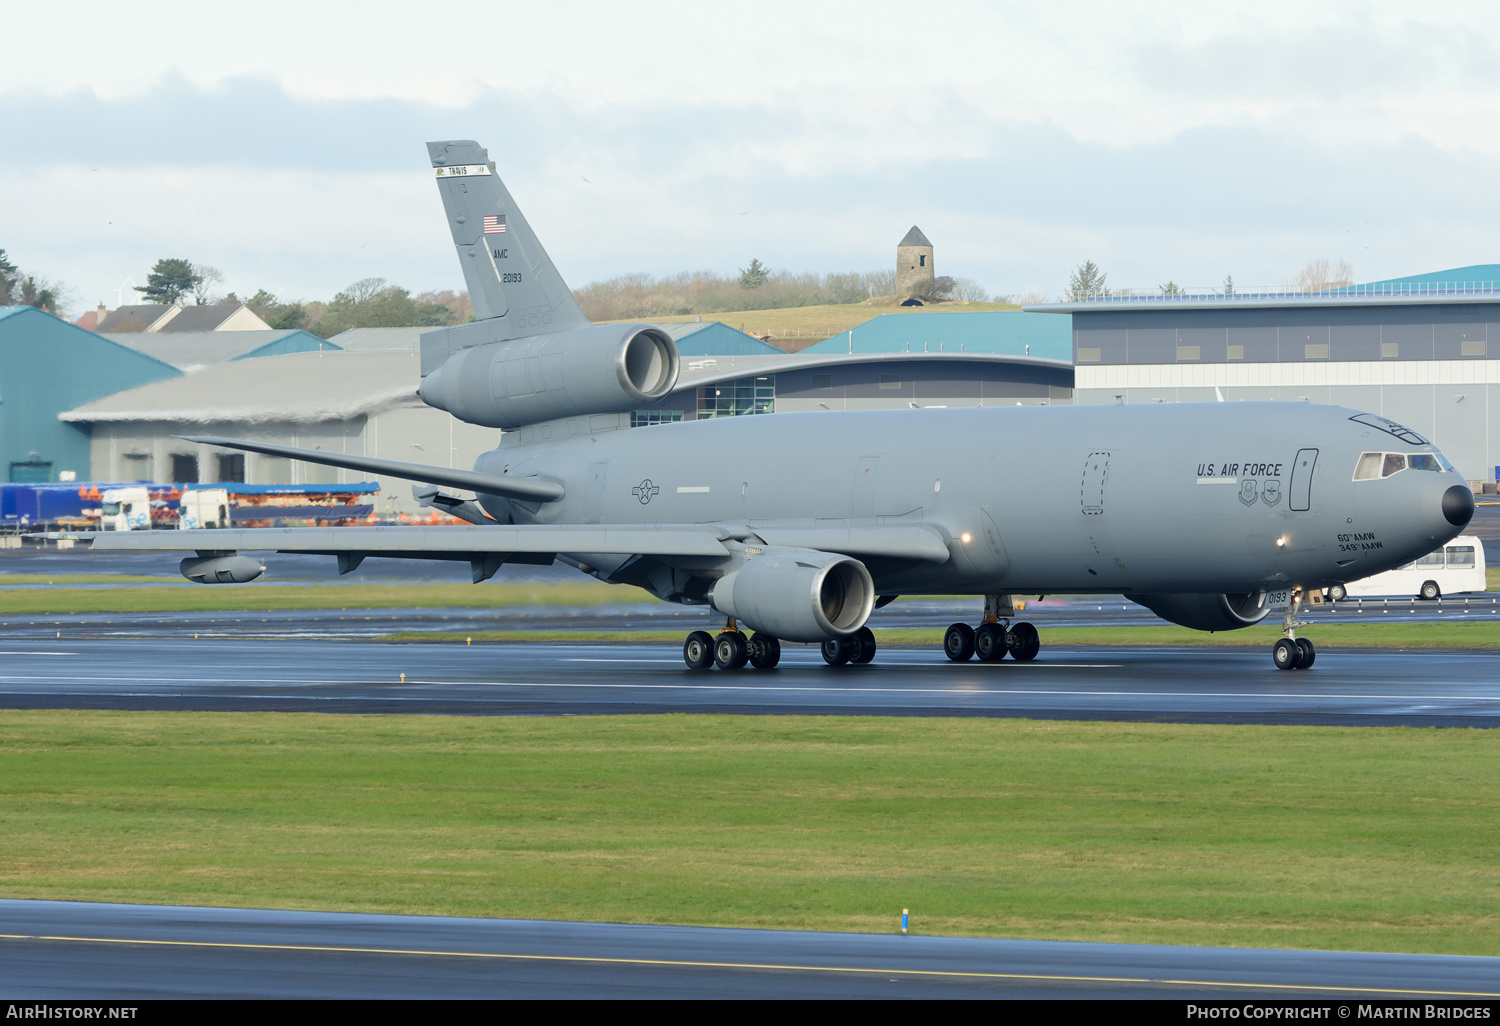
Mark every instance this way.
x=512 y=283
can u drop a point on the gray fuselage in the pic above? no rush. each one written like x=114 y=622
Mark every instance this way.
x=1218 y=497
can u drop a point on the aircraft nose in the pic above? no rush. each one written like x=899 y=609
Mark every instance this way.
x=1458 y=505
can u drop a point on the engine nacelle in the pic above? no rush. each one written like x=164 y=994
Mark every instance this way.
x=1208 y=612
x=221 y=569
x=604 y=368
x=798 y=594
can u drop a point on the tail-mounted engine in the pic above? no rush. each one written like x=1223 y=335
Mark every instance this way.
x=604 y=368
x=798 y=594
x=1208 y=612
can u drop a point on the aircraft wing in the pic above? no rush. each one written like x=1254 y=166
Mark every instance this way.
x=919 y=542
x=681 y=540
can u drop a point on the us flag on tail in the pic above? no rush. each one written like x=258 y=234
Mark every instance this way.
x=494 y=224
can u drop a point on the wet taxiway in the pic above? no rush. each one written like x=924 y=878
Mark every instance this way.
x=1201 y=685
x=82 y=951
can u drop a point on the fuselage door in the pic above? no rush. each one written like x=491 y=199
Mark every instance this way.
x=1300 y=497
x=1095 y=474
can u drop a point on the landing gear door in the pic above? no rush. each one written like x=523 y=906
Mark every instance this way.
x=1300 y=497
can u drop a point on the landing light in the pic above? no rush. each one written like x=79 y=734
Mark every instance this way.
x=965 y=537
x=1280 y=542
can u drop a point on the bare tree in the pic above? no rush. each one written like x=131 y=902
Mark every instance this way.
x=1032 y=296
x=1323 y=274
x=968 y=290
x=934 y=290
x=205 y=278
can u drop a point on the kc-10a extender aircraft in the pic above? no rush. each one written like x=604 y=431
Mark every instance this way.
x=796 y=526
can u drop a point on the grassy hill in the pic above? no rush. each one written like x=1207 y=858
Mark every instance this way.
x=798 y=327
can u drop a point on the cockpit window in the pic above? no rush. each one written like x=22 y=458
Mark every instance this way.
x=1390 y=427
x=1374 y=465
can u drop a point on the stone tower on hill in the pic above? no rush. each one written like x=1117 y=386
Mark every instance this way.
x=913 y=261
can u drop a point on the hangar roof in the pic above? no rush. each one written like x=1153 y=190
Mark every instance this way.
x=715 y=338
x=1478 y=283
x=191 y=351
x=297 y=388
x=988 y=331
x=384 y=340
x=167 y=317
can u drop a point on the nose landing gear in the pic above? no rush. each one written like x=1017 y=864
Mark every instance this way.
x=1292 y=652
x=995 y=638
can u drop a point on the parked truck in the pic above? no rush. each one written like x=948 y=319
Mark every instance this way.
x=125 y=509
x=203 y=508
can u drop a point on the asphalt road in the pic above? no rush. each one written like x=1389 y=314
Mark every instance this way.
x=1385 y=688
x=80 y=951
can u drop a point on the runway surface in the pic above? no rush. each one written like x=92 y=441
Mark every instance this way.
x=1371 y=688
x=79 y=951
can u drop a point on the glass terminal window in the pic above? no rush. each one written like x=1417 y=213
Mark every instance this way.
x=738 y=397
x=645 y=418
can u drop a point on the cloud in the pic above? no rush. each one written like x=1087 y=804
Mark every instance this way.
x=307 y=194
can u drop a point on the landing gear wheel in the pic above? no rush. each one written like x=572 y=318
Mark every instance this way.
x=765 y=651
x=1431 y=591
x=1306 y=654
x=989 y=643
x=863 y=641
x=698 y=650
x=1337 y=593
x=1287 y=654
x=730 y=650
x=836 y=651
x=1025 y=642
x=958 y=643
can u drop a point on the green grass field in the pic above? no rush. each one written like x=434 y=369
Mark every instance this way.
x=1353 y=838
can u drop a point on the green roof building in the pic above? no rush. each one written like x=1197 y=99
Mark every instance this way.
x=48 y=366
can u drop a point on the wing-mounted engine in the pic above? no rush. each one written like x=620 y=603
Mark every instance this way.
x=1208 y=612
x=798 y=594
x=603 y=368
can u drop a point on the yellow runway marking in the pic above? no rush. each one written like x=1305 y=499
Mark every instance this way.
x=603 y=960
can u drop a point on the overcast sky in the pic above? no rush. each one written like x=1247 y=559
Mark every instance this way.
x=282 y=142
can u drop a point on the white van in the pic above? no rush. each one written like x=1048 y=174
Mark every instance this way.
x=1455 y=568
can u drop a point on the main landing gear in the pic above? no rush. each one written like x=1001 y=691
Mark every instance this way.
x=857 y=648
x=731 y=650
x=995 y=638
x=1292 y=652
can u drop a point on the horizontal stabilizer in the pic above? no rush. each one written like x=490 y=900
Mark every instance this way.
x=527 y=489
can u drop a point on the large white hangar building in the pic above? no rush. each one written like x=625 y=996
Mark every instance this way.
x=1424 y=353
